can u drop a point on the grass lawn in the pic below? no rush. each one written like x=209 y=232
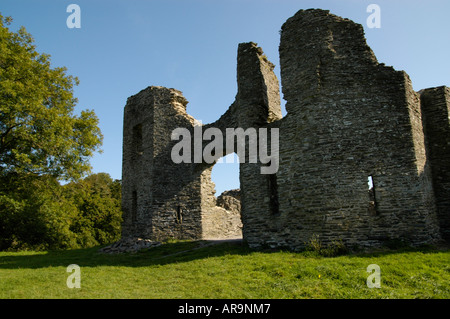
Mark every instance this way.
x=226 y=270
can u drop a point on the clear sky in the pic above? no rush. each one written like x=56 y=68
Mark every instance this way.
x=124 y=46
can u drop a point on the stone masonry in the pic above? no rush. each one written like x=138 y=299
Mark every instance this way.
x=363 y=158
x=436 y=109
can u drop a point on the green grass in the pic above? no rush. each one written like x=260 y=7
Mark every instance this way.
x=227 y=270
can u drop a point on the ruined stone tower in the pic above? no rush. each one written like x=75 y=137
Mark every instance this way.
x=354 y=120
x=436 y=118
x=152 y=200
x=162 y=199
x=363 y=158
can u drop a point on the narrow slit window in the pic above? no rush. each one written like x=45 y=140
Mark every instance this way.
x=372 y=195
x=273 y=194
x=137 y=139
x=179 y=215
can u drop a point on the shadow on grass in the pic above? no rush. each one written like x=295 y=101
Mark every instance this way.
x=167 y=253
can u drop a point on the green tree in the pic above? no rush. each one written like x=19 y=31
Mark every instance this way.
x=39 y=132
x=99 y=214
x=43 y=142
x=35 y=213
x=39 y=213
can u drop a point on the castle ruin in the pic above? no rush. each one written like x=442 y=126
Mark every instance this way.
x=363 y=158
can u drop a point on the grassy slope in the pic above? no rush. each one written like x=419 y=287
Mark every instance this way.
x=227 y=270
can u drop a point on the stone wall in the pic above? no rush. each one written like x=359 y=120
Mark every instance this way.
x=161 y=199
x=349 y=120
x=436 y=119
x=224 y=220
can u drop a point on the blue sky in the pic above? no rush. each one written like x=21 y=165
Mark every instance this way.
x=123 y=46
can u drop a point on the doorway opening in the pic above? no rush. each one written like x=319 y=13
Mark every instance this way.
x=223 y=220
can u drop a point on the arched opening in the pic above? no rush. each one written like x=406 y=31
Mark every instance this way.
x=223 y=218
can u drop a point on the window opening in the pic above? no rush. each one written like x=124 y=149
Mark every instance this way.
x=273 y=194
x=179 y=215
x=137 y=139
x=372 y=195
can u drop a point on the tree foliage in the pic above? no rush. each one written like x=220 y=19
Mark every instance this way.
x=39 y=132
x=97 y=199
x=39 y=213
x=43 y=142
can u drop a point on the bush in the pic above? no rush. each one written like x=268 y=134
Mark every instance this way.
x=335 y=248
